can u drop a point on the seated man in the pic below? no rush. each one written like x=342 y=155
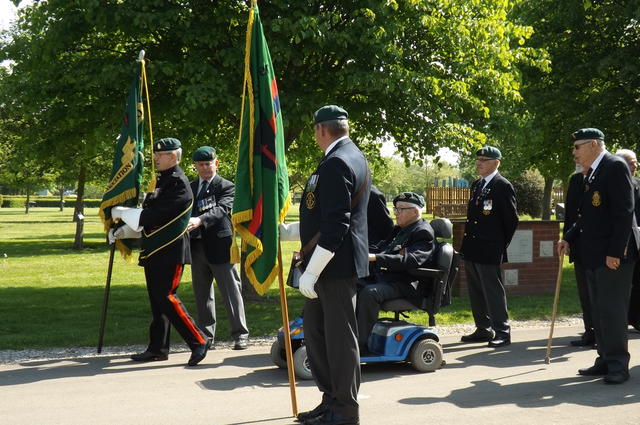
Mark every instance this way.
x=409 y=246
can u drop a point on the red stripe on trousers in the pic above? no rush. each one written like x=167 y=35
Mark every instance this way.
x=177 y=306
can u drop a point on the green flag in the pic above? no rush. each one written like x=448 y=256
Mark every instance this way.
x=128 y=161
x=262 y=185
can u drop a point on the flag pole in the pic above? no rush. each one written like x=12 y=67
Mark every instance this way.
x=152 y=181
x=287 y=335
x=105 y=302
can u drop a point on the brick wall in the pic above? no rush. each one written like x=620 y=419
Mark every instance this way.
x=535 y=277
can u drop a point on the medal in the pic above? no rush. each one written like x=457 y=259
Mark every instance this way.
x=487 y=206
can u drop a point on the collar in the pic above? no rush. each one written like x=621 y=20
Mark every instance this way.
x=597 y=161
x=201 y=180
x=333 y=144
x=489 y=177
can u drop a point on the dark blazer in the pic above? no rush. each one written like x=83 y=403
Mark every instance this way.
x=574 y=194
x=326 y=208
x=395 y=257
x=379 y=220
x=492 y=219
x=214 y=209
x=605 y=216
x=171 y=197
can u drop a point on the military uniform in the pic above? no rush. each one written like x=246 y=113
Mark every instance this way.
x=210 y=245
x=329 y=321
x=634 y=300
x=491 y=222
x=164 y=262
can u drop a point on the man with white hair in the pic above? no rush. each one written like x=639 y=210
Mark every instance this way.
x=409 y=246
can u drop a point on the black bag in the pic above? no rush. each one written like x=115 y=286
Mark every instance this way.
x=296 y=270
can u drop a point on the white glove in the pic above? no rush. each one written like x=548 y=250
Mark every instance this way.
x=317 y=263
x=116 y=212
x=131 y=216
x=123 y=232
x=290 y=232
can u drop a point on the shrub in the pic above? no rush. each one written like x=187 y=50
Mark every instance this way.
x=44 y=201
x=529 y=187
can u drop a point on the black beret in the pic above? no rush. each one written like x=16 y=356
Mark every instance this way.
x=328 y=113
x=411 y=197
x=588 y=134
x=167 y=144
x=204 y=153
x=489 y=152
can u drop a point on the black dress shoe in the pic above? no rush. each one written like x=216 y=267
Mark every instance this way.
x=479 y=335
x=616 y=378
x=499 y=341
x=587 y=339
x=149 y=356
x=198 y=353
x=593 y=371
x=312 y=414
x=333 y=418
x=241 y=343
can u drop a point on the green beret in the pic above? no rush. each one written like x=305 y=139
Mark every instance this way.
x=411 y=197
x=204 y=153
x=167 y=144
x=588 y=134
x=329 y=113
x=489 y=152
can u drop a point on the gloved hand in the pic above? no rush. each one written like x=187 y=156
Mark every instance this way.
x=123 y=232
x=290 y=232
x=317 y=263
x=307 y=284
x=116 y=212
x=131 y=216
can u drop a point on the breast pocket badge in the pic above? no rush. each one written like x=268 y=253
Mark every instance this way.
x=487 y=206
x=596 y=201
x=310 y=200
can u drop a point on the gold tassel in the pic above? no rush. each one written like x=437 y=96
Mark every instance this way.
x=234 y=250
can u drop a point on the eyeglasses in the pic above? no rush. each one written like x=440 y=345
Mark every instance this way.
x=484 y=159
x=400 y=209
x=576 y=146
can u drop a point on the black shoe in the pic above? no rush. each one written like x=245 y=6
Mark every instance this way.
x=616 y=378
x=198 y=353
x=148 y=356
x=636 y=325
x=312 y=414
x=593 y=371
x=499 y=341
x=333 y=418
x=242 y=343
x=479 y=335
x=587 y=339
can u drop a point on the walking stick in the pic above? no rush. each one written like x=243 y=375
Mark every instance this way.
x=555 y=308
x=287 y=335
x=105 y=302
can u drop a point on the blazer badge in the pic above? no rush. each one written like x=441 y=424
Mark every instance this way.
x=596 y=201
x=310 y=200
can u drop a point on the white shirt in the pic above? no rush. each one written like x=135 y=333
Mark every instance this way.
x=489 y=177
x=331 y=146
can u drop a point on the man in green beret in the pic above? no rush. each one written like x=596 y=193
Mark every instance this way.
x=409 y=246
x=491 y=222
x=211 y=232
x=163 y=221
x=604 y=238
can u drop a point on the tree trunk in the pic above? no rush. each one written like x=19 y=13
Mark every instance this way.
x=26 y=203
x=61 y=188
x=546 y=198
x=78 y=214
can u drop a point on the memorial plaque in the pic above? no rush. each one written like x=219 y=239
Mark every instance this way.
x=511 y=277
x=520 y=249
x=546 y=248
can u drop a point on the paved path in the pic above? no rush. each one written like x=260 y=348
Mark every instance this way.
x=478 y=386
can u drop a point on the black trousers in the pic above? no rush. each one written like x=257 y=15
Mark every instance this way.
x=488 y=298
x=583 y=293
x=370 y=298
x=331 y=337
x=166 y=308
x=634 y=300
x=609 y=294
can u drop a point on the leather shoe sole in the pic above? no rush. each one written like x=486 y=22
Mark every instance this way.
x=148 y=356
x=312 y=414
x=592 y=371
x=332 y=418
x=478 y=336
x=499 y=342
x=198 y=354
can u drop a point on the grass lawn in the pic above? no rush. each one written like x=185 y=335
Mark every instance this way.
x=51 y=295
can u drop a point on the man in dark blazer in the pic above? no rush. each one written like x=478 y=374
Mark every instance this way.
x=409 y=246
x=491 y=222
x=333 y=229
x=211 y=231
x=607 y=241
x=574 y=194
x=634 y=300
x=163 y=221
x=379 y=220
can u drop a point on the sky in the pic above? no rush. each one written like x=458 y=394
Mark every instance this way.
x=8 y=14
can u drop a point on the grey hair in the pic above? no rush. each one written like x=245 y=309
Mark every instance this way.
x=336 y=128
x=626 y=154
x=178 y=154
x=601 y=143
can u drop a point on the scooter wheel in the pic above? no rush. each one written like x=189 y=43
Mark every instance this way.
x=426 y=355
x=278 y=355
x=301 y=363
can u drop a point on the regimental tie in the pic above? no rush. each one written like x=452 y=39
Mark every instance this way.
x=203 y=189
x=587 y=180
x=478 y=191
